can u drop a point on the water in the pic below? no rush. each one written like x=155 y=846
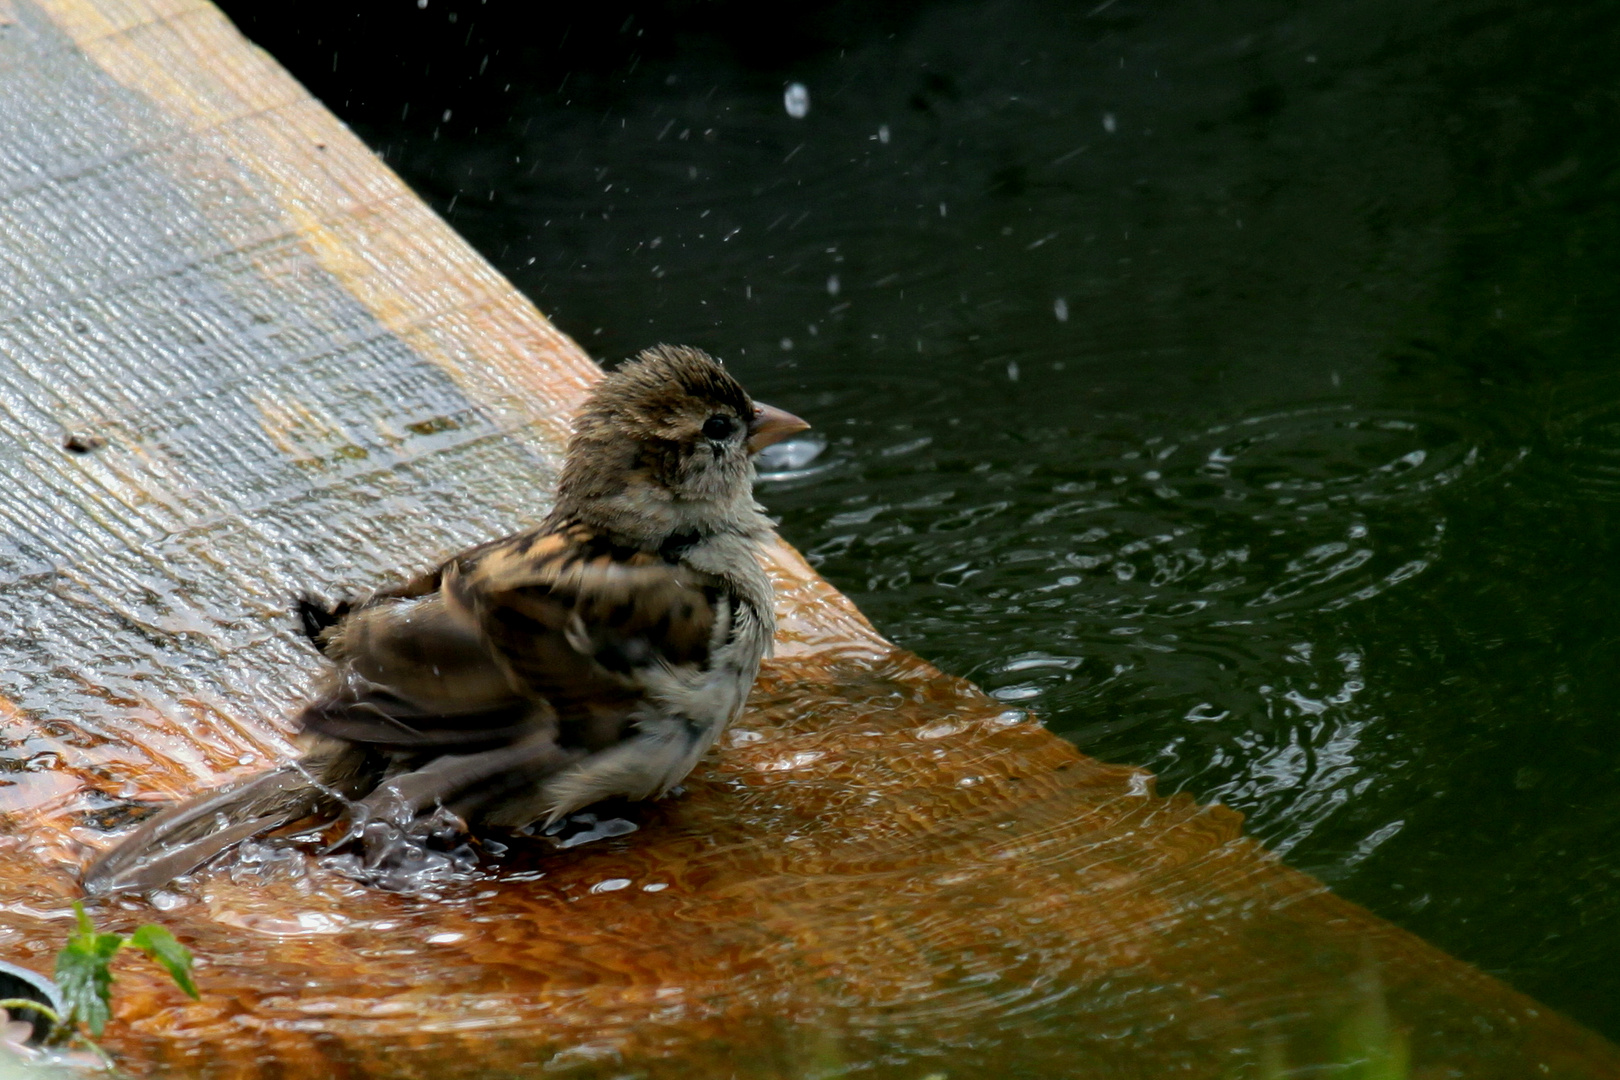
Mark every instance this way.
x=1231 y=385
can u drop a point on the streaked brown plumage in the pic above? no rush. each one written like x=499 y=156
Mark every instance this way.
x=598 y=654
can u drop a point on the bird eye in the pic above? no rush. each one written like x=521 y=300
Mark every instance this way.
x=719 y=428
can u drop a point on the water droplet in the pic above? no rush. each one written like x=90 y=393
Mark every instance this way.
x=1060 y=308
x=883 y=134
x=832 y=285
x=793 y=762
x=1109 y=123
x=782 y=457
x=796 y=99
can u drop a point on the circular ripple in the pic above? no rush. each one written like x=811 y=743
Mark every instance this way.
x=1586 y=451
x=1315 y=456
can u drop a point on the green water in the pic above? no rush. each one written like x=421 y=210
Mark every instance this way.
x=1234 y=385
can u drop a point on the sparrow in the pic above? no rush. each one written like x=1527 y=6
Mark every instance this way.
x=596 y=655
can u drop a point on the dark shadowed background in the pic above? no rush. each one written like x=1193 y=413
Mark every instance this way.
x=1236 y=385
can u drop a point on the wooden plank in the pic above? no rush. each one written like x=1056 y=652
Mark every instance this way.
x=304 y=378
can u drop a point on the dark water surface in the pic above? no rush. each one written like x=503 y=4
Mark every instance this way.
x=1235 y=385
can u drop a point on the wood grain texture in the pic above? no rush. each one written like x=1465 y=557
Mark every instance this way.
x=304 y=378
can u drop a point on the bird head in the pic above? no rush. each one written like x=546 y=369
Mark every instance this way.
x=664 y=444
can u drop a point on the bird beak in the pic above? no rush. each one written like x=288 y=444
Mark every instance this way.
x=771 y=425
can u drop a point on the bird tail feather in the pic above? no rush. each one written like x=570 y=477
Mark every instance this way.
x=184 y=837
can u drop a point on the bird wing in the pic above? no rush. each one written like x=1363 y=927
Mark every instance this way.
x=579 y=621
x=542 y=627
x=414 y=673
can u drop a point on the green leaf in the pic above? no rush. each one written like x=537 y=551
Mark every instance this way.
x=175 y=958
x=84 y=972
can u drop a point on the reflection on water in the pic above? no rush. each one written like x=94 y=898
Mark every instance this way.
x=1159 y=584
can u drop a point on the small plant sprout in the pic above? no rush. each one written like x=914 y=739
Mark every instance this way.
x=84 y=976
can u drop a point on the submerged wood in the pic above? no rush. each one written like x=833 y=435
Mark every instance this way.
x=238 y=358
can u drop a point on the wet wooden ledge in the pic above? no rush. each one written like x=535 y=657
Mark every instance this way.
x=239 y=358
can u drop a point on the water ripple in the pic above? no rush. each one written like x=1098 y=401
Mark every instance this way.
x=1161 y=598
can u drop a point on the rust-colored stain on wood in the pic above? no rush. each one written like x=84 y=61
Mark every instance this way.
x=303 y=378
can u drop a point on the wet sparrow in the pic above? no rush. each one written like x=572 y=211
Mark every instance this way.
x=598 y=654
